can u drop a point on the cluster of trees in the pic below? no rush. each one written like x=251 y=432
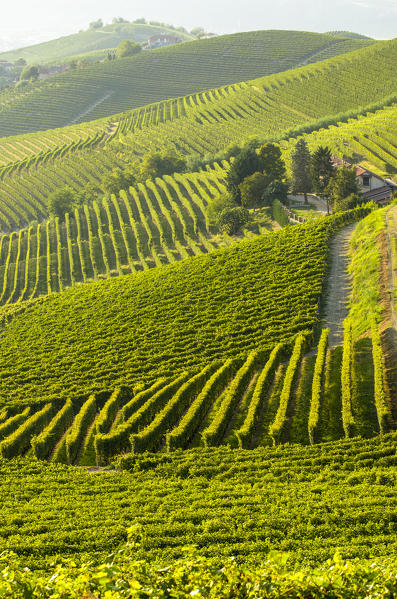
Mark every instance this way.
x=255 y=179
x=317 y=173
x=154 y=164
x=127 y=48
x=66 y=199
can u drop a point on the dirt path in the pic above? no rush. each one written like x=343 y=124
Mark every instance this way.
x=338 y=288
x=90 y=108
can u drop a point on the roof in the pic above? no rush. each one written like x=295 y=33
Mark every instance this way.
x=382 y=193
x=163 y=37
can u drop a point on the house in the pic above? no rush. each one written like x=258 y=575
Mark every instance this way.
x=161 y=39
x=373 y=187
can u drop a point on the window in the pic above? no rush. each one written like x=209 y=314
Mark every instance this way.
x=366 y=180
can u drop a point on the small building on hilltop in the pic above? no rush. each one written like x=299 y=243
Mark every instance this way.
x=161 y=39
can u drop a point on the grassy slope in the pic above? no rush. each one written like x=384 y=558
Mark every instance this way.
x=87 y=41
x=156 y=75
x=167 y=319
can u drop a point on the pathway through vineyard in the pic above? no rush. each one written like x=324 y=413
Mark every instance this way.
x=338 y=287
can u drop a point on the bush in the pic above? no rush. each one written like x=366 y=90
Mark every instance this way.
x=246 y=163
x=218 y=204
x=30 y=72
x=158 y=164
x=118 y=179
x=128 y=48
x=231 y=220
x=252 y=190
x=279 y=214
x=348 y=203
x=61 y=201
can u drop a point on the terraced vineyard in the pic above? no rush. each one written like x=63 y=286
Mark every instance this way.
x=168 y=319
x=259 y=399
x=149 y=225
x=108 y=88
x=223 y=502
x=202 y=124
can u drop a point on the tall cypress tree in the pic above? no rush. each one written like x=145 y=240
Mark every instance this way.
x=301 y=169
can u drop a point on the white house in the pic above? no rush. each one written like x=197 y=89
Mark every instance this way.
x=372 y=186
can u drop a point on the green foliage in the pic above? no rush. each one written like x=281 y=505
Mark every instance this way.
x=347 y=203
x=18 y=441
x=276 y=190
x=128 y=48
x=218 y=204
x=231 y=220
x=317 y=385
x=381 y=399
x=271 y=162
x=246 y=163
x=341 y=186
x=245 y=433
x=30 y=72
x=118 y=179
x=322 y=170
x=61 y=201
x=364 y=271
x=277 y=427
x=252 y=189
x=279 y=214
x=77 y=432
x=158 y=164
x=301 y=168
x=122 y=575
x=44 y=442
x=96 y=24
x=346 y=376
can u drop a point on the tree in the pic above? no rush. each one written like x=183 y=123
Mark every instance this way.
x=301 y=169
x=245 y=164
x=140 y=21
x=118 y=179
x=30 y=73
x=116 y=20
x=342 y=185
x=61 y=201
x=347 y=203
x=128 y=48
x=276 y=190
x=252 y=190
x=322 y=170
x=218 y=204
x=271 y=163
x=231 y=220
x=21 y=62
x=158 y=164
x=96 y=24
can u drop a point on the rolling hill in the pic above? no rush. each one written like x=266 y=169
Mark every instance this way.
x=106 y=37
x=108 y=88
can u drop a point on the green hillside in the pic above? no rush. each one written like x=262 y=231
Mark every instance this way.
x=273 y=107
x=105 y=89
x=168 y=319
x=106 y=37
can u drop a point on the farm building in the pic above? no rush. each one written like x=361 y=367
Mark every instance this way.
x=160 y=40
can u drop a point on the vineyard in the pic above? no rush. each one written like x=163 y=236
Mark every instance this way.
x=168 y=319
x=35 y=165
x=309 y=502
x=259 y=399
x=150 y=225
x=105 y=89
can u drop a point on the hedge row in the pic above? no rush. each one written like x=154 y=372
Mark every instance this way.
x=43 y=443
x=317 y=385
